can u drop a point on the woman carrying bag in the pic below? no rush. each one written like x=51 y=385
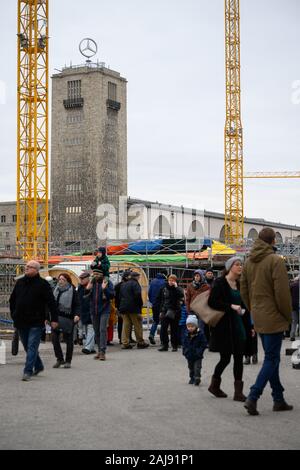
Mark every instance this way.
x=228 y=337
x=68 y=314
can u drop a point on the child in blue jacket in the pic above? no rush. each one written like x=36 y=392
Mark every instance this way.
x=194 y=344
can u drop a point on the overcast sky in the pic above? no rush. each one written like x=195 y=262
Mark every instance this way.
x=172 y=54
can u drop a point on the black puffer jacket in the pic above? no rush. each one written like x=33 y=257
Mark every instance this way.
x=31 y=300
x=171 y=297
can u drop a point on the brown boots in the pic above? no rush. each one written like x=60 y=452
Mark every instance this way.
x=214 y=388
x=238 y=391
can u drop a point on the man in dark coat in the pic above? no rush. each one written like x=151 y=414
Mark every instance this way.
x=85 y=313
x=102 y=292
x=170 y=299
x=155 y=286
x=130 y=307
x=31 y=300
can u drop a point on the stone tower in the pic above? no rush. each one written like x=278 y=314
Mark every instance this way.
x=89 y=149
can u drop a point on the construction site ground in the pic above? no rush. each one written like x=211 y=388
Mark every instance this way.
x=139 y=399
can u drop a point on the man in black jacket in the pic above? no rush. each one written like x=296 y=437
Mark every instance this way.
x=30 y=301
x=171 y=297
x=130 y=306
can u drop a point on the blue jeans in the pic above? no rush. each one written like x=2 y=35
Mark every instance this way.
x=153 y=329
x=89 y=337
x=270 y=369
x=31 y=338
x=155 y=320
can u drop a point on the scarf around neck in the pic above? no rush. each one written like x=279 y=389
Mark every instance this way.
x=64 y=298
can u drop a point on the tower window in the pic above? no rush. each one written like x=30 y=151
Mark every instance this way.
x=112 y=91
x=74 y=89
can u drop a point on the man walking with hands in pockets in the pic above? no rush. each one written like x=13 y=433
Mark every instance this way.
x=265 y=292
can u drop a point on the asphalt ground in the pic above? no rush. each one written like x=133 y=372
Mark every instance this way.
x=139 y=399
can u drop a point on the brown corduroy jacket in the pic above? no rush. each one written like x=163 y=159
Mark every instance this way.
x=265 y=289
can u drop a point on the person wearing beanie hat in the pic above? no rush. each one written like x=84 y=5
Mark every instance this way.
x=85 y=314
x=231 y=261
x=209 y=276
x=192 y=320
x=101 y=261
x=229 y=336
x=196 y=287
x=102 y=292
x=193 y=346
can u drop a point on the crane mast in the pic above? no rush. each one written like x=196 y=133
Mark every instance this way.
x=32 y=141
x=233 y=135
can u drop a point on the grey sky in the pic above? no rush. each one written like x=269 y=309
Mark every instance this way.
x=172 y=53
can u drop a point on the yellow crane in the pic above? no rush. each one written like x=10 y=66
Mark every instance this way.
x=233 y=133
x=272 y=174
x=32 y=143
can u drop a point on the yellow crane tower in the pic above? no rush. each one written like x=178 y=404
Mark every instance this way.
x=233 y=135
x=32 y=145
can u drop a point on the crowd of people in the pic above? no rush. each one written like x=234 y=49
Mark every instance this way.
x=254 y=298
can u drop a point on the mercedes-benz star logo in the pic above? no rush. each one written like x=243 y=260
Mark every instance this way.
x=88 y=47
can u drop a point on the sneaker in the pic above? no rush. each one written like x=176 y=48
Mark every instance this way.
x=143 y=345
x=250 y=406
x=247 y=360
x=152 y=340
x=254 y=359
x=38 y=371
x=58 y=364
x=281 y=406
x=67 y=365
x=26 y=378
x=86 y=351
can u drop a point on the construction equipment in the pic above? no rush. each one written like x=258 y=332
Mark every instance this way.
x=233 y=135
x=272 y=174
x=32 y=146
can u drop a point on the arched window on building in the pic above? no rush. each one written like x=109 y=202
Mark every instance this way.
x=196 y=230
x=222 y=234
x=279 y=239
x=253 y=234
x=162 y=227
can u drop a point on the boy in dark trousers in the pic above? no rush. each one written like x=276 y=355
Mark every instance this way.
x=101 y=262
x=194 y=344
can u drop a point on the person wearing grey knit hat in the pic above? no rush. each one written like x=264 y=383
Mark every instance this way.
x=231 y=261
x=229 y=336
x=193 y=346
x=192 y=320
